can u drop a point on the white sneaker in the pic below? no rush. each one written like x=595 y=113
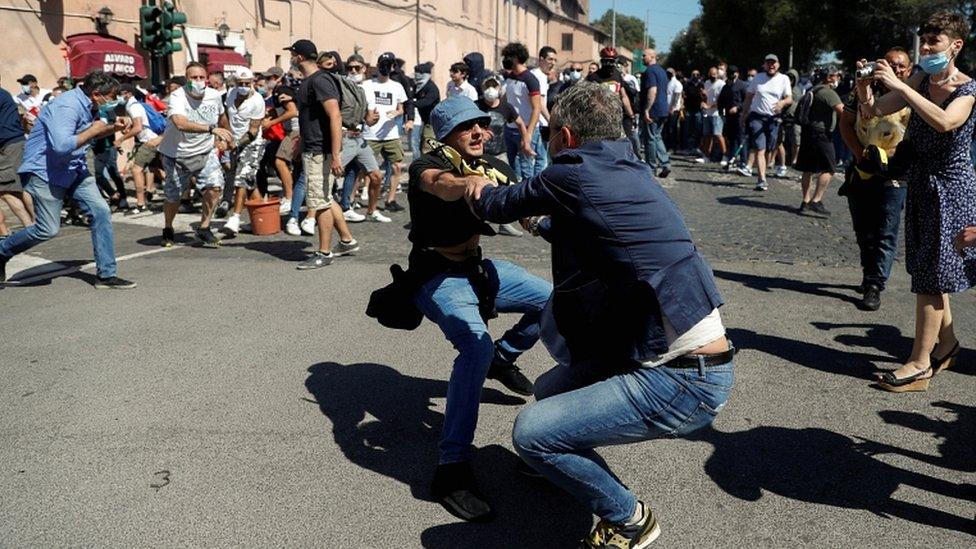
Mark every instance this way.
x=291 y=227
x=724 y=163
x=233 y=224
x=285 y=206
x=745 y=171
x=308 y=225
x=377 y=217
x=700 y=160
x=353 y=217
x=364 y=194
x=781 y=171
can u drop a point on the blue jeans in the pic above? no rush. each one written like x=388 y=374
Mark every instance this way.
x=655 y=153
x=876 y=216
x=47 y=209
x=449 y=301
x=692 y=130
x=578 y=410
x=349 y=185
x=735 y=138
x=525 y=166
x=298 y=196
x=107 y=168
x=672 y=132
x=416 y=135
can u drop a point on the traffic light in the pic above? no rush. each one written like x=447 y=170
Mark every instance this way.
x=170 y=34
x=150 y=27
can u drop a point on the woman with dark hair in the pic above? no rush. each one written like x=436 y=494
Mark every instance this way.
x=941 y=190
x=331 y=61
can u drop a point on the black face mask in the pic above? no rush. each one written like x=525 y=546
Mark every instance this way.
x=508 y=63
x=384 y=69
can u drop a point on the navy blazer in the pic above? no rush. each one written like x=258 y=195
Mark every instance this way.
x=621 y=254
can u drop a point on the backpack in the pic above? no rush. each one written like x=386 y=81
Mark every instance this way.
x=352 y=102
x=801 y=115
x=156 y=121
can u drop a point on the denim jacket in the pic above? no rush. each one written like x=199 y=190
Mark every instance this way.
x=621 y=254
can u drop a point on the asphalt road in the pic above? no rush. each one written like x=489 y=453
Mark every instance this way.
x=233 y=400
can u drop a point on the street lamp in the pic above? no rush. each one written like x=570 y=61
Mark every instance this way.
x=223 y=31
x=103 y=20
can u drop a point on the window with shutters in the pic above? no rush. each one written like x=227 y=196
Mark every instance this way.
x=567 y=44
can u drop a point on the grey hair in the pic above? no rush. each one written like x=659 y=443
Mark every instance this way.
x=591 y=111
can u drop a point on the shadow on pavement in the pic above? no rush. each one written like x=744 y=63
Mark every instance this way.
x=72 y=265
x=384 y=421
x=285 y=250
x=956 y=449
x=744 y=200
x=770 y=283
x=815 y=465
x=808 y=355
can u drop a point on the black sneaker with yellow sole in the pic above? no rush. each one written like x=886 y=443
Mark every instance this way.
x=622 y=536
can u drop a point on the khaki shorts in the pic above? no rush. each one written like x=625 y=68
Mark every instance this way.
x=391 y=150
x=11 y=155
x=288 y=148
x=143 y=155
x=318 y=191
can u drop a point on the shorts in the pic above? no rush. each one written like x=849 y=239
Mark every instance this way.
x=11 y=155
x=248 y=163
x=712 y=125
x=763 y=131
x=817 y=153
x=143 y=155
x=204 y=169
x=318 y=195
x=355 y=148
x=390 y=149
x=289 y=147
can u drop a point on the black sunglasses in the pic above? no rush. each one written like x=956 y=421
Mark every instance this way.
x=467 y=126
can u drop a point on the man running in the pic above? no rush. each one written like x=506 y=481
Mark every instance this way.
x=245 y=111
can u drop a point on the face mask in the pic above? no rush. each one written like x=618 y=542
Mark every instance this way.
x=357 y=77
x=508 y=63
x=721 y=74
x=713 y=78
x=491 y=94
x=421 y=78
x=934 y=63
x=25 y=88
x=244 y=90
x=749 y=79
x=105 y=109
x=575 y=75
x=384 y=70
x=262 y=92
x=196 y=87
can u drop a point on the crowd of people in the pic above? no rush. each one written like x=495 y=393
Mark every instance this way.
x=641 y=352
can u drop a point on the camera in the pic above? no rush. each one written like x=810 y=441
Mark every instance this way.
x=867 y=70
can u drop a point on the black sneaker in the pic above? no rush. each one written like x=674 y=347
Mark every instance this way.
x=394 y=207
x=344 y=248
x=314 y=261
x=453 y=487
x=509 y=375
x=804 y=206
x=664 y=173
x=818 y=208
x=207 y=238
x=186 y=207
x=169 y=238
x=221 y=211
x=635 y=536
x=872 y=298
x=114 y=283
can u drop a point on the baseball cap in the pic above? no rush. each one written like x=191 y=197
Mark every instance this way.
x=386 y=58
x=305 y=48
x=425 y=68
x=27 y=79
x=771 y=57
x=450 y=113
x=277 y=72
x=244 y=73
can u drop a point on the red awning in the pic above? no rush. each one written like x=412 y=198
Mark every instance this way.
x=218 y=59
x=90 y=51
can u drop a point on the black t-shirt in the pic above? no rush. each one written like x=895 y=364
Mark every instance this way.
x=436 y=222
x=313 y=122
x=500 y=115
x=693 y=96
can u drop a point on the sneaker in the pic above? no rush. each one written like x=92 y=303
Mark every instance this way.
x=664 y=173
x=207 y=238
x=291 y=227
x=345 y=248
x=633 y=536
x=724 y=163
x=699 y=160
x=123 y=206
x=314 y=261
x=804 y=206
x=138 y=209
x=377 y=217
x=222 y=209
x=169 y=238
x=394 y=207
x=745 y=171
x=509 y=375
x=454 y=488
x=364 y=194
x=186 y=207
x=233 y=225
x=352 y=217
x=285 y=206
x=308 y=225
x=761 y=185
x=509 y=229
x=818 y=208
x=114 y=283
x=872 y=298
x=781 y=171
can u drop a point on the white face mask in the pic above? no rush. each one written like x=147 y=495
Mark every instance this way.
x=25 y=88
x=196 y=86
x=491 y=94
x=244 y=90
x=357 y=77
x=575 y=75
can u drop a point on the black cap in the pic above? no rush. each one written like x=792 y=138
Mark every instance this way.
x=425 y=68
x=305 y=48
x=386 y=58
x=27 y=79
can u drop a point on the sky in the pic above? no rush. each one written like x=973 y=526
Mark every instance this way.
x=668 y=17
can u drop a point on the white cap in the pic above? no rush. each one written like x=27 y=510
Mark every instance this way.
x=244 y=73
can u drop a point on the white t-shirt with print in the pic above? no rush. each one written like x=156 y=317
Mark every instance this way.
x=712 y=89
x=384 y=97
x=135 y=110
x=768 y=90
x=206 y=111
x=240 y=117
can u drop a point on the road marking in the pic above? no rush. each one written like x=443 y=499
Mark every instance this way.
x=61 y=270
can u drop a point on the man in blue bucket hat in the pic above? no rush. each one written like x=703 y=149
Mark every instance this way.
x=460 y=290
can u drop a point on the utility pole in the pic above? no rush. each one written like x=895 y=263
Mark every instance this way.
x=418 y=31
x=613 y=36
x=647 y=29
x=791 y=51
x=916 y=45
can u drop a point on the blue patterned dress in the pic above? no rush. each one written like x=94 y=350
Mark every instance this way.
x=941 y=202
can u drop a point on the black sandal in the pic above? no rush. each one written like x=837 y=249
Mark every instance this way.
x=914 y=382
x=946 y=362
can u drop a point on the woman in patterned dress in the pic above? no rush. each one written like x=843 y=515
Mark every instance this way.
x=941 y=191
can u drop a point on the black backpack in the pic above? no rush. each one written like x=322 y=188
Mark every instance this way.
x=801 y=115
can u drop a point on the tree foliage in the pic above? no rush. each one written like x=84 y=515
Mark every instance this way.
x=630 y=29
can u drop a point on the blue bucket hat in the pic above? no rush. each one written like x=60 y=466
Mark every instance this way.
x=450 y=113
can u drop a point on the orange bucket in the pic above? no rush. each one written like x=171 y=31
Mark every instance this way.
x=265 y=218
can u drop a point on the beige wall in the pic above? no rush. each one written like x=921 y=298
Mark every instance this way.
x=448 y=30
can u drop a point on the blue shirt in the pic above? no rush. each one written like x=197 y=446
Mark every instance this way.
x=10 y=129
x=51 y=152
x=655 y=76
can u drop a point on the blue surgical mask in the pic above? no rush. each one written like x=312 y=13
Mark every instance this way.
x=934 y=63
x=105 y=109
x=575 y=75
